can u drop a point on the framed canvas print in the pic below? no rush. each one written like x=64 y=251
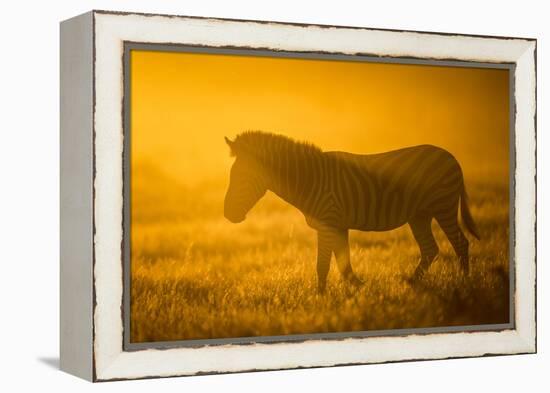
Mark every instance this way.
x=246 y=195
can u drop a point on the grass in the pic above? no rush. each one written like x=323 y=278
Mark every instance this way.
x=194 y=275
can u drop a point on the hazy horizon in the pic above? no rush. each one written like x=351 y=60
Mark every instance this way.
x=183 y=104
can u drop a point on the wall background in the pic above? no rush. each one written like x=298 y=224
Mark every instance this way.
x=29 y=197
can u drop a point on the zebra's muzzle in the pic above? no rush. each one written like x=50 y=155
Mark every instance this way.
x=235 y=219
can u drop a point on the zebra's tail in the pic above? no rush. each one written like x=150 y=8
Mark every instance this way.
x=467 y=218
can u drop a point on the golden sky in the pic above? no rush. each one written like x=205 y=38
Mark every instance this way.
x=183 y=104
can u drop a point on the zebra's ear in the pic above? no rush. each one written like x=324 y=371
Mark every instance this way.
x=231 y=145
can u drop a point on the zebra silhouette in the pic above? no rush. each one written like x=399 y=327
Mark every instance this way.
x=338 y=191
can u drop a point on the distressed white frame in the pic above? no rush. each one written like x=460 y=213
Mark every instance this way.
x=112 y=29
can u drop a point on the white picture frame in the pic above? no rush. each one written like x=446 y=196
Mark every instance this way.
x=92 y=195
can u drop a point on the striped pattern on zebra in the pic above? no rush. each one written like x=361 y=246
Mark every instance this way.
x=338 y=191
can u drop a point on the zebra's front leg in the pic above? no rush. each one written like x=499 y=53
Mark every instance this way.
x=343 y=259
x=325 y=241
x=331 y=240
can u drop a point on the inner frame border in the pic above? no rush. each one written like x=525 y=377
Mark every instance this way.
x=129 y=46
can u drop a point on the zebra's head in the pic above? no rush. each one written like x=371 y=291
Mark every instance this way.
x=247 y=184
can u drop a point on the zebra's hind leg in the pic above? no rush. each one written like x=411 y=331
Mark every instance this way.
x=343 y=260
x=421 y=227
x=448 y=221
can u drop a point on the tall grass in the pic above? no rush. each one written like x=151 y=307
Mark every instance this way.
x=194 y=275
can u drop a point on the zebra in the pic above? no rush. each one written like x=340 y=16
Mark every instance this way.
x=340 y=191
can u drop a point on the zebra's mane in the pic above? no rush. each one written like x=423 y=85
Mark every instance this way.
x=262 y=145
